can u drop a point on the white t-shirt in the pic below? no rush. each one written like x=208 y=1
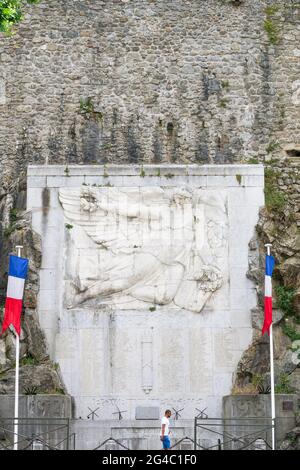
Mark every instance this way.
x=165 y=421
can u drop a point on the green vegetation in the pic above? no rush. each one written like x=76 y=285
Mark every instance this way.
x=8 y=231
x=253 y=161
x=86 y=105
x=68 y=226
x=273 y=145
x=223 y=102
x=284 y=299
x=30 y=390
x=13 y=218
x=225 y=84
x=290 y=331
x=58 y=391
x=271 y=10
x=158 y=172
x=275 y=200
x=283 y=384
x=87 y=108
x=239 y=178
x=28 y=361
x=257 y=381
x=67 y=171
x=271 y=26
x=13 y=215
x=11 y=13
x=169 y=176
x=152 y=309
x=142 y=173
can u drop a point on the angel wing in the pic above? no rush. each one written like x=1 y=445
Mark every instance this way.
x=118 y=219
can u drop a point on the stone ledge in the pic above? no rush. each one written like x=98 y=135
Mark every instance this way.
x=144 y=170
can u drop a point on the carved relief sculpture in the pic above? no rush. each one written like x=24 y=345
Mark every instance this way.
x=151 y=245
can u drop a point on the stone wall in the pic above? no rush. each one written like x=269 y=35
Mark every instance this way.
x=148 y=81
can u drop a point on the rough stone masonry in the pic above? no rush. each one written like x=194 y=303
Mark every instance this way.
x=148 y=81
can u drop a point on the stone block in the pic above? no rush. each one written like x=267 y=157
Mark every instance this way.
x=37 y=406
x=48 y=279
x=242 y=407
x=34 y=198
x=65 y=181
x=147 y=412
x=36 y=181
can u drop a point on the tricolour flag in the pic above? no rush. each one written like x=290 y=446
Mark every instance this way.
x=270 y=262
x=17 y=274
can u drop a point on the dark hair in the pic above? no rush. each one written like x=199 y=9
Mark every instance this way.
x=168 y=411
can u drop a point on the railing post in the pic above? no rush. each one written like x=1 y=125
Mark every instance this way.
x=195 y=434
x=68 y=433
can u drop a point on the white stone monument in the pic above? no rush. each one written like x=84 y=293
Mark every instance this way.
x=143 y=291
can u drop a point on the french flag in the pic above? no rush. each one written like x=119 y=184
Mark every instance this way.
x=270 y=263
x=18 y=268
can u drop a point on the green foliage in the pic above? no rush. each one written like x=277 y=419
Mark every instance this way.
x=87 y=108
x=13 y=215
x=225 y=84
x=11 y=13
x=258 y=382
x=30 y=390
x=271 y=10
x=223 y=102
x=290 y=331
x=273 y=145
x=28 y=361
x=253 y=161
x=9 y=230
x=239 y=178
x=58 y=391
x=270 y=25
x=142 y=173
x=275 y=200
x=284 y=299
x=68 y=226
x=283 y=384
x=152 y=309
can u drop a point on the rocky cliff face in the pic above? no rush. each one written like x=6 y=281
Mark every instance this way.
x=37 y=373
x=278 y=224
x=156 y=81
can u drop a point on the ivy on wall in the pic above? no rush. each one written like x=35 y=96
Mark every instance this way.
x=11 y=12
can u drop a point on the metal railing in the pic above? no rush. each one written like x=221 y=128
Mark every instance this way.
x=37 y=434
x=233 y=433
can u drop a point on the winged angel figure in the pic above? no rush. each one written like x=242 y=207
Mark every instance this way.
x=152 y=245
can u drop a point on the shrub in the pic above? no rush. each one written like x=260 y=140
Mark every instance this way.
x=11 y=13
x=284 y=299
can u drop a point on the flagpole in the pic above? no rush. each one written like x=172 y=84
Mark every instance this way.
x=268 y=246
x=16 y=416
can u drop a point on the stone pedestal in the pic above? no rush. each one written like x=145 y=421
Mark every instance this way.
x=43 y=421
x=246 y=414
